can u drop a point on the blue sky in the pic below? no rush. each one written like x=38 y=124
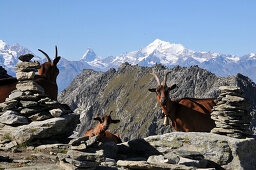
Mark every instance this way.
x=112 y=27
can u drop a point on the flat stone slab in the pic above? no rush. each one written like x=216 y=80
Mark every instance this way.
x=230 y=153
x=26 y=57
x=146 y=165
x=53 y=127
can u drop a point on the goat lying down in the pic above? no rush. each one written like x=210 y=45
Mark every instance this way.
x=101 y=129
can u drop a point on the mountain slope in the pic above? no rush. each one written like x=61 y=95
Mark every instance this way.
x=125 y=91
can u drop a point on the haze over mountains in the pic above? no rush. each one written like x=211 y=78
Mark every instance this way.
x=166 y=53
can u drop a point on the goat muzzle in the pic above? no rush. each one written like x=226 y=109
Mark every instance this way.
x=166 y=120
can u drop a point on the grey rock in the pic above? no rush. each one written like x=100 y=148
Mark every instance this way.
x=92 y=141
x=56 y=112
x=82 y=163
x=12 y=118
x=230 y=88
x=189 y=154
x=78 y=141
x=84 y=156
x=22 y=161
x=27 y=66
x=29 y=98
x=25 y=75
x=26 y=57
x=28 y=111
x=233 y=98
x=108 y=162
x=172 y=158
x=40 y=116
x=145 y=165
x=81 y=147
x=43 y=166
x=2 y=105
x=61 y=156
x=157 y=159
x=226 y=151
x=61 y=127
x=195 y=163
x=10 y=145
x=28 y=103
x=10 y=105
x=15 y=94
x=29 y=85
x=57 y=146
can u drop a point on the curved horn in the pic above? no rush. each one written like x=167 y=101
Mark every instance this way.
x=56 y=52
x=165 y=77
x=48 y=58
x=157 y=79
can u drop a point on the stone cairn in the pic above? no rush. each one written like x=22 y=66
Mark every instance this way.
x=231 y=114
x=28 y=102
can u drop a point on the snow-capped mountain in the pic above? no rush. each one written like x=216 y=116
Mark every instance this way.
x=170 y=54
x=161 y=52
x=9 y=56
x=89 y=55
x=166 y=53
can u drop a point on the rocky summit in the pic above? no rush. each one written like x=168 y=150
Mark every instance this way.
x=125 y=92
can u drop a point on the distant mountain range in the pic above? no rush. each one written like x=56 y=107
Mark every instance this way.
x=161 y=52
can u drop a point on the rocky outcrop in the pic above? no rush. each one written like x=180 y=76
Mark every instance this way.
x=125 y=92
x=176 y=150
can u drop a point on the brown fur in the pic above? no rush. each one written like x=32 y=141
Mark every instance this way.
x=101 y=130
x=47 y=75
x=187 y=114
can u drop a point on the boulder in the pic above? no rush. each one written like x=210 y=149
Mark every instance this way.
x=25 y=75
x=230 y=153
x=26 y=57
x=12 y=118
x=56 y=112
x=56 y=128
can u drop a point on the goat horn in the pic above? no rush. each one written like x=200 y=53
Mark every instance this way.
x=110 y=112
x=56 y=52
x=48 y=58
x=165 y=77
x=157 y=79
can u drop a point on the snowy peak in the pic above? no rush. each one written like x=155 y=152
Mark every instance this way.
x=2 y=44
x=89 y=55
x=163 y=47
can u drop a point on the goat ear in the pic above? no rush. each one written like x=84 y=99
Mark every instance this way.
x=56 y=60
x=97 y=118
x=172 y=87
x=115 y=121
x=152 y=90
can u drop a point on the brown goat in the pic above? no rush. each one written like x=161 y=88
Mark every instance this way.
x=101 y=129
x=186 y=114
x=46 y=78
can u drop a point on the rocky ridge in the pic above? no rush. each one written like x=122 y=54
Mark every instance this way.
x=125 y=91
